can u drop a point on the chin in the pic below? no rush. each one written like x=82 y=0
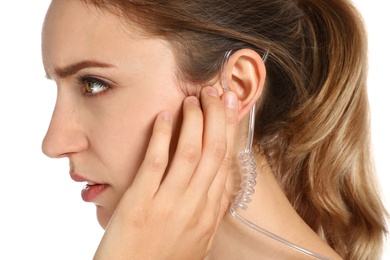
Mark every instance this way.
x=103 y=216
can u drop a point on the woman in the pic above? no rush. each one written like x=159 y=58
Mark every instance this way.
x=154 y=103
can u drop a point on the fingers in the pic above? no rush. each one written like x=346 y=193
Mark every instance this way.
x=189 y=147
x=219 y=134
x=153 y=167
x=193 y=190
x=204 y=151
x=231 y=119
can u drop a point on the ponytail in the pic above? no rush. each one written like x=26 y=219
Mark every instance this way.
x=321 y=155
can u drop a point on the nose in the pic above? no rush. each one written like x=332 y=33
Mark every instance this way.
x=65 y=135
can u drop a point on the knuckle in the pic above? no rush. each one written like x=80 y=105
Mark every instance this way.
x=203 y=223
x=208 y=223
x=219 y=149
x=224 y=203
x=191 y=153
x=189 y=218
x=166 y=214
x=201 y=218
x=139 y=218
x=208 y=232
x=157 y=163
x=226 y=161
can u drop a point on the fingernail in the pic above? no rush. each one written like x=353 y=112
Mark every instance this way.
x=193 y=100
x=231 y=100
x=166 y=116
x=212 y=92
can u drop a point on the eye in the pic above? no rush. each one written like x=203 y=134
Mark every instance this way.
x=92 y=86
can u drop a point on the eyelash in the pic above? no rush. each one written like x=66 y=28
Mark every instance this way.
x=84 y=81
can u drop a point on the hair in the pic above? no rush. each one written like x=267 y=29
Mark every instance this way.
x=313 y=118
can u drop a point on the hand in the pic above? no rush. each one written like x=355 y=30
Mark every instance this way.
x=173 y=209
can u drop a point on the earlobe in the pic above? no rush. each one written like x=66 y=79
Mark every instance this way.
x=245 y=75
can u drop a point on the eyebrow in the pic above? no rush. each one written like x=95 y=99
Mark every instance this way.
x=76 y=67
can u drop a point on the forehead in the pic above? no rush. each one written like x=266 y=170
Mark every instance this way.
x=73 y=29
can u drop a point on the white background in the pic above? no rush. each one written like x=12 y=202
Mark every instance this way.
x=42 y=215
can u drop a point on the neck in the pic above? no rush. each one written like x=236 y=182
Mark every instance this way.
x=271 y=211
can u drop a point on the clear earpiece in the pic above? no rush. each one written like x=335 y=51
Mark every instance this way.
x=249 y=174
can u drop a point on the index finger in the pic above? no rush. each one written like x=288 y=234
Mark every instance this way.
x=231 y=120
x=214 y=142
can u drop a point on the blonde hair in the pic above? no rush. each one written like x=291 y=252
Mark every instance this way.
x=313 y=119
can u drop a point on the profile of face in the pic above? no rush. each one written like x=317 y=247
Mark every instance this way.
x=112 y=82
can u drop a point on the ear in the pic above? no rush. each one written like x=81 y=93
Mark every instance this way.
x=245 y=75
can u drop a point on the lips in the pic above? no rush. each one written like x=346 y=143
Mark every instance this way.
x=91 y=190
x=78 y=178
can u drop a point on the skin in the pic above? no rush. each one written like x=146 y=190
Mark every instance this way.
x=105 y=136
x=166 y=158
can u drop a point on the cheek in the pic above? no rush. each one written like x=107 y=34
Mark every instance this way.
x=125 y=134
x=122 y=147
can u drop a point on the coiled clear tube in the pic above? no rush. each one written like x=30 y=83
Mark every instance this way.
x=248 y=174
x=248 y=177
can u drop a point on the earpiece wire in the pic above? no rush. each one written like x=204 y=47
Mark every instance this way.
x=249 y=174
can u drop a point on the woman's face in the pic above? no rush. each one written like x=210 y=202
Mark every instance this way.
x=112 y=83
